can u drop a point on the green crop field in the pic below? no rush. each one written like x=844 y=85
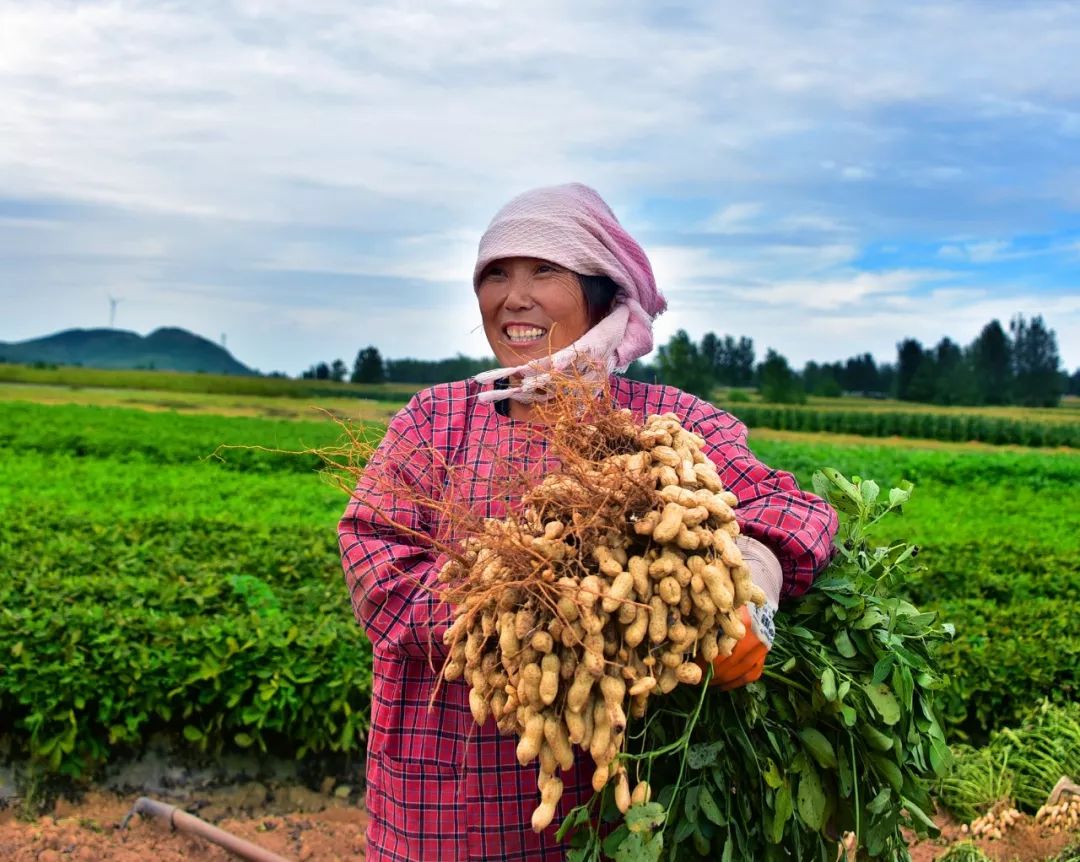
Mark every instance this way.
x=1044 y=428
x=216 y=384
x=1068 y=411
x=150 y=586
x=286 y=398
x=208 y=403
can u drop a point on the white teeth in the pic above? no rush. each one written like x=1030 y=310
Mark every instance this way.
x=524 y=333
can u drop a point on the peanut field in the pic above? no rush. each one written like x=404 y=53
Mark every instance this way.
x=157 y=584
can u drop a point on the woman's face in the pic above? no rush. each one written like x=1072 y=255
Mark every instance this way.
x=530 y=308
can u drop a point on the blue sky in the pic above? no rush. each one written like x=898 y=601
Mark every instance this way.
x=311 y=177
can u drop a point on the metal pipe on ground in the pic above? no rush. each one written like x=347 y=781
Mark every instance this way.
x=191 y=825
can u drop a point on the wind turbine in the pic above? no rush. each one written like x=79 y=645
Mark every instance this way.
x=113 y=302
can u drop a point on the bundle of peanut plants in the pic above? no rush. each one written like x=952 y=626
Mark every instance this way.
x=590 y=615
x=618 y=573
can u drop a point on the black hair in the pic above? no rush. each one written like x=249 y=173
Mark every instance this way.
x=600 y=291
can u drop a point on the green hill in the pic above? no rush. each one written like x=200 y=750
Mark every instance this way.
x=168 y=348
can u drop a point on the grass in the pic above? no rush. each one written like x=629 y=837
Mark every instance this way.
x=299 y=407
x=222 y=384
x=298 y=403
x=825 y=438
x=1067 y=411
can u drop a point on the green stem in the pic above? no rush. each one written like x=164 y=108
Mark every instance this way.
x=855 y=785
x=779 y=677
x=684 y=740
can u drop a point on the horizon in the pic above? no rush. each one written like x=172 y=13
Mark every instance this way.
x=759 y=355
x=312 y=178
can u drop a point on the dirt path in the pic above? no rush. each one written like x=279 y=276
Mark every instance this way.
x=89 y=831
x=1024 y=842
x=322 y=828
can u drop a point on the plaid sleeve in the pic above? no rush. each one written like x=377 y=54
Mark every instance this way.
x=797 y=526
x=389 y=566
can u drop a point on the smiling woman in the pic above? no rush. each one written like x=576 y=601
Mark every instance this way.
x=531 y=308
x=562 y=288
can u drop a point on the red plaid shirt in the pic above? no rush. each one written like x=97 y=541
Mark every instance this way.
x=439 y=787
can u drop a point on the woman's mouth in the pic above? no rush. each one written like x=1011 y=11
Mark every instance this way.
x=519 y=334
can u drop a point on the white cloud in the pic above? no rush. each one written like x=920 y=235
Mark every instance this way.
x=733 y=219
x=814 y=222
x=680 y=265
x=854 y=173
x=987 y=251
x=837 y=293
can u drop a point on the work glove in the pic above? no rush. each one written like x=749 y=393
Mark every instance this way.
x=747 y=659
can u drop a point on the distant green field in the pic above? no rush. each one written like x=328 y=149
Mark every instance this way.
x=219 y=404
x=958 y=425
x=1068 y=411
x=151 y=588
x=194 y=393
x=222 y=384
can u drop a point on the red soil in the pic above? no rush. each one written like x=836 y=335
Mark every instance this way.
x=323 y=827
x=1024 y=842
x=89 y=830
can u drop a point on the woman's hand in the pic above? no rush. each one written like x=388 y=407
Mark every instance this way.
x=747 y=659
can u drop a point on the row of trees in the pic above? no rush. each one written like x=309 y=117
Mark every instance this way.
x=1021 y=366
x=370 y=367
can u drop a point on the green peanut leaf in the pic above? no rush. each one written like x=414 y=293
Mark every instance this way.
x=578 y=816
x=702 y=754
x=920 y=815
x=781 y=814
x=709 y=807
x=810 y=799
x=899 y=496
x=819 y=747
x=638 y=847
x=691 y=805
x=884 y=702
x=683 y=831
x=871 y=618
x=889 y=770
x=876 y=738
x=844 y=645
x=617 y=836
x=880 y=802
x=647 y=815
x=828 y=685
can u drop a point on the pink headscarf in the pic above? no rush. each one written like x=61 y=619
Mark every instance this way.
x=572 y=226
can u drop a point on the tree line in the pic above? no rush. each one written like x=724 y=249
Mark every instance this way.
x=370 y=367
x=1019 y=366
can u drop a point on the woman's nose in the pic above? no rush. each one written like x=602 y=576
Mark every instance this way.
x=519 y=293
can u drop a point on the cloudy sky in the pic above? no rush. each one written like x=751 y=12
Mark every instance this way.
x=311 y=177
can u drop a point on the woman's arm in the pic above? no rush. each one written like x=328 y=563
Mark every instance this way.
x=389 y=563
x=796 y=526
